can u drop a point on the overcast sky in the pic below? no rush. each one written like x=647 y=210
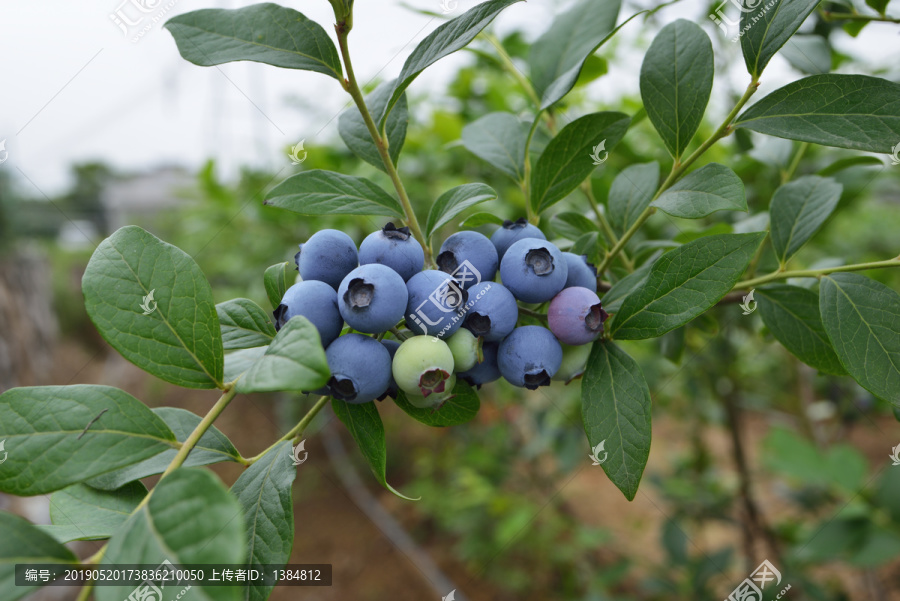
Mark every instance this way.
x=74 y=88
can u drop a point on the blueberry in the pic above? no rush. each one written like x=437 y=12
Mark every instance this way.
x=486 y=371
x=436 y=304
x=436 y=399
x=576 y=316
x=492 y=312
x=529 y=357
x=465 y=252
x=317 y=302
x=466 y=349
x=581 y=273
x=573 y=362
x=328 y=256
x=533 y=270
x=372 y=298
x=422 y=366
x=513 y=231
x=391 y=346
x=395 y=248
x=360 y=368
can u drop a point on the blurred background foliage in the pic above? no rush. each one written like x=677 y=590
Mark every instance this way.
x=509 y=496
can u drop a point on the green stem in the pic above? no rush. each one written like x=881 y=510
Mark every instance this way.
x=604 y=224
x=526 y=185
x=829 y=16
x=506 y=61
x=786 y=176
x=85 y=592
x=296 y=430
x=814 y=273
x=615 y=250
x=530 y=313
x=352 y=87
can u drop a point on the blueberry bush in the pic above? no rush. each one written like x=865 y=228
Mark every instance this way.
x=545 y=300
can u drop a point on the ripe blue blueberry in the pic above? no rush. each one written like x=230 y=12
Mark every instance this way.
x=493 y=311
x=372 y=298
x=395 y=248
x=581 y=273
x=360 y=368
x=317 y=302
x=576 y=316
x=328 y=256
x=486 y=371
x=513 y=231
x=529 y=357
x=391 y=346
x=473 y=248
x=534 y=270
x=436 y=304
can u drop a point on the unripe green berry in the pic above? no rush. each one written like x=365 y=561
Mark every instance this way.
x=466 y=349
x=422 y=366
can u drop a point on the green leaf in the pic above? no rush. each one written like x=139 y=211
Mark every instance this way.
x=264 y=491
x=80 y=512
x=631 y=193
x=767 y=30
x=683 y=284
x=213 y=447
x=24 y=543
x=445 y=40
x=557 y=56
x=190 y=519
x=295 y=361
x=862 y=318
x=615 y=407
x=566 y=161
x=458 y=409
x=356 y=135
x=798 y=210
x=878 y=5
x=180 y=340
x=499 y=139
x=847 y=111
x=709 y=189
x=364 y=424
x=676 y=81
x=47 y=444
x=847 y=163
x=810 y=54
x=277 y=279
x=615 y=296
x=792 y=315
x=572 y=225
x=264 y=33
x=453 y=202
x=244 y=324
x=238 y=362
x=479 y=219
x=320 y=192
x=589 y=245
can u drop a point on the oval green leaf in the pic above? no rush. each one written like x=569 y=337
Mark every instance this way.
x=319 y=192
x=150 y=301
x=277 y=279
x=462 y=407
x=676 y=82
x=572 y=226
x=798 y=210
x=631 y=193
x=80 y=512
x=862 y=319
x=295 y=361
x=61 y=435
x=846 y=111
x=479 y=219
x=244 y=324
x=356 y=135
x=615 y=409
x=766 y=29
x=567 y=160
x=24 y=543
x=499 y=139
x=264 y=33
x=453 y=202
x=684 y=283
x=701 y=193
x=792 y=315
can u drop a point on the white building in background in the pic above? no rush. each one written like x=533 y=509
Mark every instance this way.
x=138 y=198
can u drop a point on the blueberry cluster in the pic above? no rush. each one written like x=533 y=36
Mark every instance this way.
x=447 y=323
